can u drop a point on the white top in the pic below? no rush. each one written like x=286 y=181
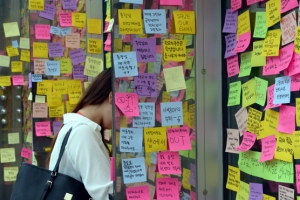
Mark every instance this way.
x=85 y=157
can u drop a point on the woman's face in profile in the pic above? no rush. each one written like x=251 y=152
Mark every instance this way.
x=107 y=119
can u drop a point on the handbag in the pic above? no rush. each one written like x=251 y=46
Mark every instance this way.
x=36 y=183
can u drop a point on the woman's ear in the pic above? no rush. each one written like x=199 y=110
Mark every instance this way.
x=110 y=98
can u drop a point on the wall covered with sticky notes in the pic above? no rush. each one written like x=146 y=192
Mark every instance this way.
x=153 y=59
x=262 y=79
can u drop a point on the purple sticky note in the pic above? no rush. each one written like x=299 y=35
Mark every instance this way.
x=77 y=56
x=55 y=49
x=78 y=73
x=256 y=191
x=56 y=126
x=145 y=85
x=145 y=49
x=192 y=179
x=48 y=12
x=230 y=21
x=29 y=81
x=230 y=45
x=69 y=4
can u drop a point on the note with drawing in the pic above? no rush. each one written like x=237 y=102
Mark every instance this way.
x=127 y=103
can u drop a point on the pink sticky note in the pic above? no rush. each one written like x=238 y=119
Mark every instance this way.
x=171 y=2
x=42 y=31
x=248 y=141
x=243 y=42
x=250 y=2
x=235 y=5
x=65 y=19
x=2 y=52
x=298 y=178
x=142 y=67
x=295 y=82
x=286 y=121
x=271 y=67
x=287 y=5
x=294 y=66
x=112 y=168
x=192 y=195
x=127 y=103
x=167 y=189
x=233 y=66
x=270 y=98
x=179 y=139
x=136 y=193
x=26 y=153
x=42 y=128
x=268 y=148
x=285 y=57
x=18 y=80
x=168 y=163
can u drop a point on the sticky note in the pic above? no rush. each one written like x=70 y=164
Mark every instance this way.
x=73 y=40
x=65 y=66
x=249 y=163
x=233 y=139
x=127 y=103
x=40 y=99
x=231 y=42
x=155 y=139
x=5 y=81
x=39 y=110
x=270 y=98
x=167 y=189
x=134 y=170
x=8 y=155
x=253 y=122
x=131 y=140
x=65 y=19
x=174 y=50
x=94 y=46
x=25 y=55
x=234 y=96
x=244 y=191
x=36 y=5
x=282 y=90
x=261 y=87
x=268 y=148
x=145 y=85
x=54 y=99
x=94 y=26
x=42 y=31
x=69 y=5
x=39 y=66
x=257 y=60
x=78 y=19
x=245 y=65
x=13 y=138
x=10 y=173
x=241 y=119
x=179 y=139
x=130 y=21
x=288 y=27
x=57 y=111
x=297 y=41
x=243 y=42
x=74 y=96
x=288 y=5
x=247 y=142
x=145 y=48
x=78 y=73
x=77 y=56
x=244 y=23
x=11 y=29
x=271 y=43
x=42 y=128
x=249 y=93
x=125 y=64
x=24 y=43
x=297 y=167
x=174 y=79
x=233 y=178
x=256 y=191
x=171 y=113
x=93 y=66
x=155 y=21
x=184 y=22
x=168 y=163
x=40 y=50
x=286 y=121
x=52 y=68
x=147 y=115
x=18 y=80
x=260 y=29
x=296 y=144
x=284 y=147
x=132 y=1
x=285 y=193
x=55 y=49
x=267 y=197
x=273 y=12
x=11 y=51
x=230 y=22
x=141 y=191
x=26 y=153
x=48 y=12
x=4 y=61
x=44 y=87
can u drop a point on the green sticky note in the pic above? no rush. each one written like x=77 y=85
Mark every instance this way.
x=244 y=191
x=189 y=39
x=193 y=72
x=192 y=152
x=249 y=163
x=298 y=197
x=184 y=153
x=279 y=171
x=261 y=87
x=234 y=97
x=150 y=67
x=190 y=89
x=260 y=29
x=188 y=63
x=245 y=66
x=249 y=93
x=257 y=60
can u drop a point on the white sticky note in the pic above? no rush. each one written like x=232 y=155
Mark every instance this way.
x=68 y=196
x=24 y=43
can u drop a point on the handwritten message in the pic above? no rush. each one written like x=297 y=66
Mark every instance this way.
x=253 y=122
x=145 y=85
x=52 y=68
x=174 y=50
x=257 y=59
x=77 y=56
x=285 y=193
x=167 y=189
x=168 y=163
x=13 y=138
x=94 y=26
x=232 y=66
x=39 y=110
x=249 y=93
x=55 y=49
x=233 y=141
x=243 y=42
x=140 y=192
x=93 y=66
x=94 y=46
x=155 y=21
x=271 y=43
x=247 y=142
x=147 y=115
x=42 y=128
x=282 y=90
x=42 y=31
x=36 y=5
x=130 y=21
x=230 y=22
x=10 y=173
x=244 y=23
x=134 y=170
x=184 y=22
x=272 y=12
x=288 y=27
x=256 y=191
x=179 y=139
x=174 y=79
x=245 y=68
x=233 y=178
x=48 y=12
x=268 y=148
x=131 y=139
x=171 y=113
x=231 y=42
x=125 y=64
x=286 y=121
x=145 y=49
x=241 y=119
x=8 y=155
x=234 y=97
x=40 y=50
x=73 y=40
x=155 y=139
x=260 y=29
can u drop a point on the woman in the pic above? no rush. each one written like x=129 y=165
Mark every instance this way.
x=86 y=156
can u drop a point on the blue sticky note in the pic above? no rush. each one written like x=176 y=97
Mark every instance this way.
x=134 y=170
x=282 y=90
x=15 y=43
x=131 y=140
x=36 y=78
x=125 y=64
x=52 y=68
x=147 y=115
x=155 y=21
x=55 y=30
x=65 y=31
x=171 y=113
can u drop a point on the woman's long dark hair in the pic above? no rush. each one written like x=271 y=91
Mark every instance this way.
x=97 y=92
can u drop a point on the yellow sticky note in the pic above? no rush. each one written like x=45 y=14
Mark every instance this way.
x=25 y=55
x=298 y=111
x=13 y=138
x=40 y=50
x=166 y=96
x=65 y=66
x=16 y=66
x=267 y=197
x=24 y=43
x=188 y=64
x=79 y=20
x=93 y=66
x=74 y=85
x=126 y=48
x=8 y=155
x=257 y=59
x=86 y=85
x=271 y=43
x=36 y=5
x=29 y=137
x=60 y=87
x=5 y=81
x=297 y=41
x=296 y=144
x=174 y=50
x=4 y=61
x=11 y=51
x=244 y=23
x=44 y=87
x=174 y=79
x=11 y=29
x=155 y=139
x=273 y=15
x=148 y=158
x=233 y=178
x=94 y=26
x=185 y=179
x=271 y=122
x=94 y=46
x=184 y=22
x=253 y=121
x=58 y=111
x=54 y=99
x=70 y=107
x=40 y=99
x=10 y=173
x=108 y=60
x=74 y=96
x=284 y=147
x=130 y=21
x=118 y=45
x=249 y=93
x=244 y=192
